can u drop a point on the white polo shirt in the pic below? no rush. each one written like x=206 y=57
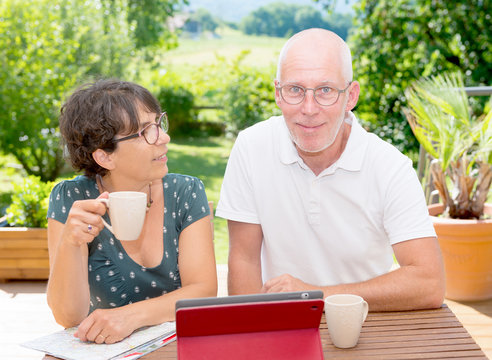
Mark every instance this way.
x=337 y=227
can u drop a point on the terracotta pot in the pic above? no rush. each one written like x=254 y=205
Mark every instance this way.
x=466 y=247
x=24 y=253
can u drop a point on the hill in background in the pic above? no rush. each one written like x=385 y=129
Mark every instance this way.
x=235 y=10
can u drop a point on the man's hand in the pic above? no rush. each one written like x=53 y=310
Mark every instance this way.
x=285 y=283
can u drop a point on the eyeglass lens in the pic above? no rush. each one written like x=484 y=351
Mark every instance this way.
x=151 y=132
x=324 y=95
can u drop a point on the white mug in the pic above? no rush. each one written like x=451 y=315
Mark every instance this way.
x=127 y=213
x=345 y=314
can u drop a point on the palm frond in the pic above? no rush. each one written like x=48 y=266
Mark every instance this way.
x=441 y=119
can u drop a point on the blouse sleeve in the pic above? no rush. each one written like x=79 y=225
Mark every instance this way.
x=62 y=197
x=192 y=201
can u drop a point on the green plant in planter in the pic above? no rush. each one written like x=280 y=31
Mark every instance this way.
x=29 y=203
x=440 y=116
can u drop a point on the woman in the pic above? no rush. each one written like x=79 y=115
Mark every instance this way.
x=115 y=133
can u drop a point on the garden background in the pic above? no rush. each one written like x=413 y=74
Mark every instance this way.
x=212 y=73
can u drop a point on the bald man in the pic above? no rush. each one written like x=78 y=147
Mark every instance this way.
x=313 y=201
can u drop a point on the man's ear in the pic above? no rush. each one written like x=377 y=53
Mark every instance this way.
x=353 y=96
x=103 y=159
x=278 y=98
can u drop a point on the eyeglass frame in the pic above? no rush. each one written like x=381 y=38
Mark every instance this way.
x=140 y=133
x=279 y=88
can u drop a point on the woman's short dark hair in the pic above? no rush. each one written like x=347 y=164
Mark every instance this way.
x=95 y=113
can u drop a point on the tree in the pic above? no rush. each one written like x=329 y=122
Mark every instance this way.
x=308 y=17
x=394 y=42
x=201 y=19
x=46 y=50
x=147 y=19
x=282 y=20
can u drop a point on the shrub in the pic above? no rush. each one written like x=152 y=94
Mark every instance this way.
x=5 y=201
x=29 y=205
x=248 y=97
x=178 y=103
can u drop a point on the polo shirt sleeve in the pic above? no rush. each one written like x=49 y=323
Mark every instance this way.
x=237 y=200
x=405 y=211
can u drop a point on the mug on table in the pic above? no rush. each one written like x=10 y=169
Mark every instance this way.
x=345 y=314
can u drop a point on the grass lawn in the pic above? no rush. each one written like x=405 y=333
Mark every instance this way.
x=264 y=50
x=207 y=160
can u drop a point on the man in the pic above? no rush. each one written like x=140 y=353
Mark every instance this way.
x=313 y=201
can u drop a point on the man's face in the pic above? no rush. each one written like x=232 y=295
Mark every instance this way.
x=313 y=127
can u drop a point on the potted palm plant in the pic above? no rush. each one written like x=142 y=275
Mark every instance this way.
x=460 y=144
x=23 y=243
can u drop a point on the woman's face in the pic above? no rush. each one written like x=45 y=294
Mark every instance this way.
x=136 y=159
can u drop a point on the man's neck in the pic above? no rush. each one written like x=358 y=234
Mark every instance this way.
x=322 y=160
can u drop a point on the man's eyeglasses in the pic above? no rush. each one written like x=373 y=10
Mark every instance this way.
x=151 y=131
x=324 y=95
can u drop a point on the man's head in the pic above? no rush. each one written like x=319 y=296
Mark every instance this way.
x=315 y=59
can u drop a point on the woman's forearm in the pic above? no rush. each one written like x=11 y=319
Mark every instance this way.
x=68 y=288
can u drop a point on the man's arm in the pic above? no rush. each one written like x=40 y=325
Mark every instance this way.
x=244 y=258
x=419 y=283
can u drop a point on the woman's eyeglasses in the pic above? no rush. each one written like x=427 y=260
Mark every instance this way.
x=151 y=131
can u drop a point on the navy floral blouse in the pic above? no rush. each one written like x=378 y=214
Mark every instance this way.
x=114 y=278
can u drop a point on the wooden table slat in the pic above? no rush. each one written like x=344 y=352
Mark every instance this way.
x=365 y=350
x=411 y=320
x=472 y=355
x=430 y=345
x=410 y=337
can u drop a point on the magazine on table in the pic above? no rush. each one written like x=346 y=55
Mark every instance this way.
x=63 y=344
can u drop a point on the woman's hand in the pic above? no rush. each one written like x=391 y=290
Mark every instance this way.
x=105 y=326
x=84 y=221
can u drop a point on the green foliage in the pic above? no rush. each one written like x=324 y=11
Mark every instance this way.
x=29 y=203
x=178 y=102
x=439 y=116
x=248 y=96
x=243 y=93
x=45 y=51
x=397 y=41
x=147 y=21
x=5 y=201
x=201 y=20
x=283 y=20
x=461 y=144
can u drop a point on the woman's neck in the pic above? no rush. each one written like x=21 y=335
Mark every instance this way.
x=107 y=183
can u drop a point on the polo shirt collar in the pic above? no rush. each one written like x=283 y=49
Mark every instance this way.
x=352 y=156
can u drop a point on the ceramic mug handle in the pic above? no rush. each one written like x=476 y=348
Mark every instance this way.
x=365 y=307
x=106 y=202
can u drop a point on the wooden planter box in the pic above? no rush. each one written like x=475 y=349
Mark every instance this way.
x=24 y=253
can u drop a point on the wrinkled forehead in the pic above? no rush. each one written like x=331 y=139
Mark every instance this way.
x=315 y=54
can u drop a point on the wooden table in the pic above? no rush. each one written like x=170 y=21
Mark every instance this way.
x=396 y=335
x=424 y=334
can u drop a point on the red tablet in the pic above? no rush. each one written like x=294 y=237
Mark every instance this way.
x=263 y=326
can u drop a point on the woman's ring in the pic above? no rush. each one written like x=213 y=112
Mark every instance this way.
x=103 y=337
x=89 y=228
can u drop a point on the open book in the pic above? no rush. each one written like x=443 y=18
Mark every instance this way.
x=64 y=345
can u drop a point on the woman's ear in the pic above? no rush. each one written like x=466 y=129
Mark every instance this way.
x=103 y=159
